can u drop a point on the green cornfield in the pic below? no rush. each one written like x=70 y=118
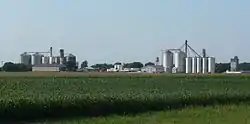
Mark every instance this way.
x=24 y=97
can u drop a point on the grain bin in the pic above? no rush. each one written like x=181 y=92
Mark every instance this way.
x=37 y=59
x=26 y=58
x=199 y=65
x=167 y=61
x=194 y=65
x=188 y=64
x=211 y=65
x=179 y=60
x=204 y=65
x=45 y=60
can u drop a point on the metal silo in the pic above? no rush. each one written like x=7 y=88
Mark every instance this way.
x=51 y=60
x=45 y=60
x=26 y=59
x=199 y=65
x=57 y=59
x=234 y=64
x=62 y=60
x=194 y=65
x=204 y=65
x=167 y=61
x=211 y=65
x=188 y=64
x=37 y=59
x=179 y=57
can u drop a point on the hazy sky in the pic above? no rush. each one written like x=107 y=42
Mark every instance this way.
x=124 y=30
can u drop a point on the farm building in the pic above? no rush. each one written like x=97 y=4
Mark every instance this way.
x=48 y=67
x=153 y=69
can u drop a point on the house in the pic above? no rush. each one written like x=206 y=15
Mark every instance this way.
x=152 y=69
x=49 y=67
x=118 y=66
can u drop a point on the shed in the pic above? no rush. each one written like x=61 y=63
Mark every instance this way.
x=153 y=69
x=48 y=67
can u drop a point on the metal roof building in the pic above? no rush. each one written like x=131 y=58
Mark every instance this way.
x=48 y=67
x=153 y=69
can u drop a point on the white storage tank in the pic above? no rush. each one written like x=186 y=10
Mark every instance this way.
x=204 y=65
x=188 y=64
x=211 y=65
x=26 y=58
x=37 y=59
x=179 y=60
x=62 y=60
x=199 y=65
x=194 y=65
x=45 y=60
x=51 y=60
x=57 y=59
x=167 y=61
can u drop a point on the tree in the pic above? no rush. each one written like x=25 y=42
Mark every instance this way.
x=84 y=64
x=133 y=65
x=149 y=63
x=244 y=66
x=11 y=67
x=71 y=66
x=102 y=66
x=221 y=67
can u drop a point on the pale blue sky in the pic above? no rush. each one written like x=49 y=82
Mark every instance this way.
x=124 y=30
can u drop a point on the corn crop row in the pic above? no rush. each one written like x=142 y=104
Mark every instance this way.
x=36 y=98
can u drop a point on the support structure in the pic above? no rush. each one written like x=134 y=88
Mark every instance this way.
x=51 y=52
x=186 y=48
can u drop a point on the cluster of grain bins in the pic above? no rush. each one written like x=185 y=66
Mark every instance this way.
x=29 y=59
x=177 y=62
x=40 y=58
x=200 y=65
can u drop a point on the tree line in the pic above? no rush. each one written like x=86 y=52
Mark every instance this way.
x=71 y=66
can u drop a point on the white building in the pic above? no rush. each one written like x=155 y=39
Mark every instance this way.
x=118 y=66
x=48 y=67
x=153 y=69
